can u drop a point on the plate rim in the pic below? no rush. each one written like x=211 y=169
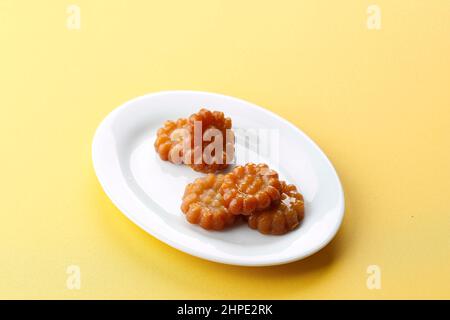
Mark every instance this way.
x=187 y=249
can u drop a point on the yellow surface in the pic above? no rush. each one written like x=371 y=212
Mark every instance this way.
x=376 y=101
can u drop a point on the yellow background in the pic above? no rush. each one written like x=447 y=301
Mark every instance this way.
x=377 y=102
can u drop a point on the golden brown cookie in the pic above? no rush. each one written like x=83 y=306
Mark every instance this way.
x=170 y=140
x=204 y=205
x=250 y=188
x=282 y=217
x=207 y=126
x=204 y=141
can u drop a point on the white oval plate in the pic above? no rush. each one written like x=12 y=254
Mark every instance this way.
x=148 y=191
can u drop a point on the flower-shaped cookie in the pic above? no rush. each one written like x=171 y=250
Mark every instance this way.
x=204 y=205
x=204 y=141
x=250 y=188
x=283 y=217
x=212 y=143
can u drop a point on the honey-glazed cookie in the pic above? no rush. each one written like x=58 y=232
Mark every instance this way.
x=282 y=217
x=170 y=140
x=207 y=126
x=250 y=188
x=204 y=205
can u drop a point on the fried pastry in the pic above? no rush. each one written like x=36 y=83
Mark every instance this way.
x=204 y=205
x=208 y=126
x=204 y=141
x=281 y=217
x=250 y=188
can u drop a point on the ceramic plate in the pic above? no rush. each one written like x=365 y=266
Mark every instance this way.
x=148 y=191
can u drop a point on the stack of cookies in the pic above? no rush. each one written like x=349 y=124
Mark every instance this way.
x=216 y=201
